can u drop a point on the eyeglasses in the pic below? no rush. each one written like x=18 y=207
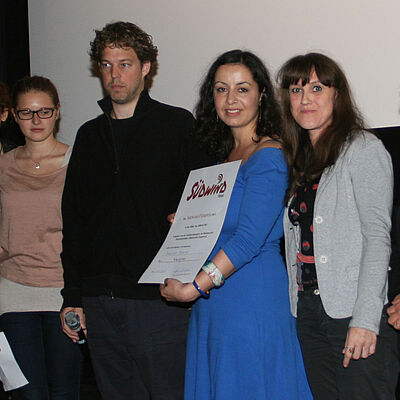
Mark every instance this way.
x=43 y=113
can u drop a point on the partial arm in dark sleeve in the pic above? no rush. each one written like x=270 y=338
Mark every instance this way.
x=72 y=230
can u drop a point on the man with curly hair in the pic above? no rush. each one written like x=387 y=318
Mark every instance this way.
x=126 y=173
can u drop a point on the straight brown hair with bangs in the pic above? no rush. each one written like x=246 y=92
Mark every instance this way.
x=306 y=163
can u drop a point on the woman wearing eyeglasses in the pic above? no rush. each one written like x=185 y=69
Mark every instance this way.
x=31 y=183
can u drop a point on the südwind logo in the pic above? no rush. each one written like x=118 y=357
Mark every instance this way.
x=199 y=188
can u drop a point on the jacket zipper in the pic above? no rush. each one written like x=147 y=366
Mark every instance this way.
x=114 y=146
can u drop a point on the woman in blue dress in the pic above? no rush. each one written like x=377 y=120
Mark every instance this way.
x=242 y=341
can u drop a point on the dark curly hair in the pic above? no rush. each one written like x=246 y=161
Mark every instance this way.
x=213 y=135
x=307 y=162
x=123 y=34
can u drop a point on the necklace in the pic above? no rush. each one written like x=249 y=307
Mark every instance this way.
x=36 y=163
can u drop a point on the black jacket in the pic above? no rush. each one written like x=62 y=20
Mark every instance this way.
x=115 y=202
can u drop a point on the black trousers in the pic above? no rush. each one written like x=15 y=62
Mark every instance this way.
x=48 y=358
x=322 y=339
x=137 y=347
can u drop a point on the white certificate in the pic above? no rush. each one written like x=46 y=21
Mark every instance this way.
x=10 y=373
x=197 y=225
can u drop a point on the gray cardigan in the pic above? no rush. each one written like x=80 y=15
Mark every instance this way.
x=351 y=234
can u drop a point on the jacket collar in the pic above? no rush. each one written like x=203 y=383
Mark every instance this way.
x=329 y=172
x=144 y=100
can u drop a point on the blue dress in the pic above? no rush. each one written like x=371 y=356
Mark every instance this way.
x=242 y=341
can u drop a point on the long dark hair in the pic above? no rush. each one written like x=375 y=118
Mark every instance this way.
x=216 y=137
x=305 y=161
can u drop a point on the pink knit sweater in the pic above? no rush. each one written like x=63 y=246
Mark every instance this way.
x=30 y=225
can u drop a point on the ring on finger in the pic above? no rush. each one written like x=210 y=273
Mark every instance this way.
x=351 y=349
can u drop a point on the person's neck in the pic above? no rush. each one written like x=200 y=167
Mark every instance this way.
x=38 y=150
x=244 y=144
x=314 y=136
x=123 y=111
x=243 y=137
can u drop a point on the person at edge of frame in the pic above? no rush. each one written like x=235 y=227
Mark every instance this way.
x=10 y=134
x=394 y=274
x=337 y=234
x=31 y=184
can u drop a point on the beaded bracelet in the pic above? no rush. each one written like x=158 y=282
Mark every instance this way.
x=203 y=294
x=214 y=273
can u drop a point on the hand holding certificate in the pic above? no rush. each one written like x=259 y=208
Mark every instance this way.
x=197 y=225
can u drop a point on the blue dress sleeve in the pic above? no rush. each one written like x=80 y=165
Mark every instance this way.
x=265 y=183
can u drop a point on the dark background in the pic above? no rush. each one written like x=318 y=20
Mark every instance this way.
x=391 y=138
x=14 y=41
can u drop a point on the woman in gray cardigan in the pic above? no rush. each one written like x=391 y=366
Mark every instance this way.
x=337 y=234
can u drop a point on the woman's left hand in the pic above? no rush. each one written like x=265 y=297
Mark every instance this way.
x=360 y=343
x=174 y=290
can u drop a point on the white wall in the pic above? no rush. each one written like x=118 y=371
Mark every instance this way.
x=362 y=35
